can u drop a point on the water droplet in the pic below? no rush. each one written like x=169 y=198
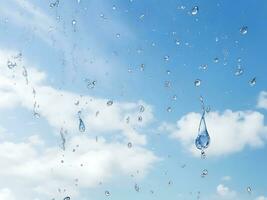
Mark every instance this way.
x=142 y=108
x=203 y=139
x=177 y=42
x=204 y=173
x=141 y=16
x=140 y=118
x=203 y=67
x=62 y=138
x=127 y=120
x=142 y=67
x=114 y=7
x=129 y=145
x=197 y=82
x=194 y=10
x=244 y=30
x=239 y=59
x=252 y=82
x=168 y=72
x=81 y=125
x=216 y=60
x=91 y=84
x=74 y=22
x=239 y=71
x=66 y=198
x=137 y=188
x=174 y=97
x=249 y=190
x=54 y=4
x=109 y=103
x=107 y=193
x=167 y=84
x=166 y=58
x=169 y=109
x=118 y=35
x=11 y=65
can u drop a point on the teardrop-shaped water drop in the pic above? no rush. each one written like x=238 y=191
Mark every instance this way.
x=81 y=125
x=203 y=139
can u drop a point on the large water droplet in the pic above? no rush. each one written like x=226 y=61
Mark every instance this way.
x=194 y=10
x=244 y=30
x=203 y=139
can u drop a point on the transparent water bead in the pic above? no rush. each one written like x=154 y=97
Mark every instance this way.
x=137 y=188
x=204 y=173
x=109 y=103
x=107 y=193
x=197 y=82
x=11 y=65
x=239 y=71
x=194 y=10
x=252 y=82
x=203 y=139
x=81 y=123
x=249 y=190
x=66 y=198
x=244 y=30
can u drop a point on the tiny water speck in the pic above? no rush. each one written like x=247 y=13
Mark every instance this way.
x=129 y=145
x=109 y=103
x=252 y=82
x=66 y=198
x=107 y=193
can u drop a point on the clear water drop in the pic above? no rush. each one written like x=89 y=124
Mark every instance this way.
x=137 y=188
x=216 y=60
x=174 y=97
x=239 y=71
x=197 y=82
x=140 y=118
x=107 y=193
x=11 y=65
x=66 y=198
x=167 y=84
x=109 y=103
x=114 y=7
x=203 y=139
x=243 y=30
x=166 y=58
x=177 y=42
x=194 y=10
x=249 y=190
x=204 y=173
x=81 y=125
x=118 y=35
x=129 y=145
x=168 y=72
x=169 y=109
x=203 y=67
x=252 y=82
x=141 y=109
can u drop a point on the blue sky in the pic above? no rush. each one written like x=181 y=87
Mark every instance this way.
x=78 y=55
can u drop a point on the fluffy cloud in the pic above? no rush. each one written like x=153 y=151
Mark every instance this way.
x=6 y=194
x=225 y=192
x=261 y=198
x=35 y=169
x=230 y=131
x=262 y=100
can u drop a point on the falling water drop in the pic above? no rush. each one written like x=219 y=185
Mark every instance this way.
x=204 y=173
x=81 y=125
x=194 y=10
x=216 y=60
x=203 y=139
x=169 y=109
x=244 y=30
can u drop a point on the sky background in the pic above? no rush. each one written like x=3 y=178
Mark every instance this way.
x=61 y=57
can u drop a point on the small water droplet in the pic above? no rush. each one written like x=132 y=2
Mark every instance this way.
x=109 y=103
x=141 y=109
x=107 y=193
x=197 y=82
x=167 y=84
x=140 y=118
x=204 y=173
x=239 y=71
x=114 y=7
x=168 y=72
x=252 y=82
x=129 y=145
x=249 y=190
x=118 y=35
x=141 y=16
x=66 y=198
x=244 y=30
x=169 y=109
x=11 y=65
x=194 y=10
x=203 y=67
x=177 y=42
x=174 y=97
x=137 y=188
x=74 y=22
x=81 y=125
x=166 y=58
x=216 y=60
x=142 y=67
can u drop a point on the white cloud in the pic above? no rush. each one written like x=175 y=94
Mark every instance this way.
x=39 y=167
x=225 y=192
x=261 y=198
x=230 y=131
x=262 y=100
x=6 y=194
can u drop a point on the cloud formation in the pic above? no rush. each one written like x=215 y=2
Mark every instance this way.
x=230 y=131
x=262 y=100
